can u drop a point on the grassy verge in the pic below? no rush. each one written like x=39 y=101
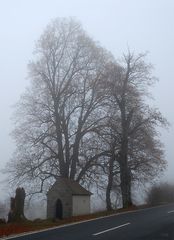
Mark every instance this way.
x=38 y=224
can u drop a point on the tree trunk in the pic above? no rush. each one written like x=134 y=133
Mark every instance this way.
x=125 y=185
x=64 y=169
x=75 y=156
x=125 y=175
x=110 y=181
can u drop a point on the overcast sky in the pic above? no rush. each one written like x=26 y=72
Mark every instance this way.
x=143 y=25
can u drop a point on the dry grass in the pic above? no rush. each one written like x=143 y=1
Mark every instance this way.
x=38 y=224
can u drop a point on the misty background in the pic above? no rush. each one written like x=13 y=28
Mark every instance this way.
x=145 y=25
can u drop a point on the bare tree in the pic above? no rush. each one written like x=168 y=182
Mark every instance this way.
x=137 y=150
x=61 y=111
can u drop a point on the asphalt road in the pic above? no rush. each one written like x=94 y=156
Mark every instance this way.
x=148 y=224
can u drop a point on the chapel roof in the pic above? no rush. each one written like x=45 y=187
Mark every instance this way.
x=74 y=187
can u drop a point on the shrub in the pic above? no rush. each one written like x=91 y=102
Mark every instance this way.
x=161 y=193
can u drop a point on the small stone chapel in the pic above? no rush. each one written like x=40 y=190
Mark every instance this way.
x=67 y=198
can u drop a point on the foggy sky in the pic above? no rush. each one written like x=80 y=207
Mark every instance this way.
x=145 y=25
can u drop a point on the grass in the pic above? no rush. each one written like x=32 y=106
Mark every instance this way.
x=38 y=224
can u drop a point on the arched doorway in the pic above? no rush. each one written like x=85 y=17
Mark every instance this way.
x=59 y=209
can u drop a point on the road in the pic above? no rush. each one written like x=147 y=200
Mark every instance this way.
x=147 y=224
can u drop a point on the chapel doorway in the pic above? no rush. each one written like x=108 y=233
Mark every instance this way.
x=59 y=209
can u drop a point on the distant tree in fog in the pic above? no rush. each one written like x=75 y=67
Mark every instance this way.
x=160 y=193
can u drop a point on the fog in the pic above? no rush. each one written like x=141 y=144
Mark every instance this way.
x=142 y=26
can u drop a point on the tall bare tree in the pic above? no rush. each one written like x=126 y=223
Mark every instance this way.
x=135 y=145
x=61 y=112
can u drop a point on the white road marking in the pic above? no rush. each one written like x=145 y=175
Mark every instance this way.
x=171 y=211
x=111 y=229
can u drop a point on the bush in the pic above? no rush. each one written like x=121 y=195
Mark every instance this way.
x=160 y=194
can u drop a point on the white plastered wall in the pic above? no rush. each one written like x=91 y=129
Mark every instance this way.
x=81 y=205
